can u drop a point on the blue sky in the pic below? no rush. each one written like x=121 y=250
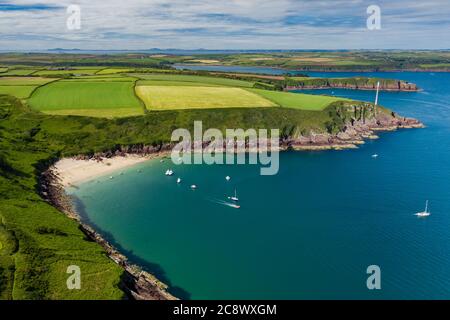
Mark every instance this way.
x=226 y=24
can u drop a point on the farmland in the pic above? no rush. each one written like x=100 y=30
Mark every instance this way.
x=21 y=87
x=76 y=97
x=297 y=100
x=196 y=79
x=182 y=97
x=112 y=92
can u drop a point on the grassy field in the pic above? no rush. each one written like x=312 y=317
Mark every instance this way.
x=114 y=70
x=21 y=92
x=175 y=83
x=19 y=72
x=21 y=87
x=24 y=81
x=182 y=97
x=197 y=79
x=63 y=72
x=75 y=97
x=297 y=100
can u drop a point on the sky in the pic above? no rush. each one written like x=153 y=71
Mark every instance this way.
x=224 y=24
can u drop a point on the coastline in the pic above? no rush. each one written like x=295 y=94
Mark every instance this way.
x=136 y=283
x=72 y=171
x=141 y=285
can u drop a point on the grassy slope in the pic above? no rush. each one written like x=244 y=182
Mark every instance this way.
x=182 y=97
x=297 y=100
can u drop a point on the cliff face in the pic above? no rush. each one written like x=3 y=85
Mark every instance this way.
x=351 y=83
x=350 y=123
x=353 y=134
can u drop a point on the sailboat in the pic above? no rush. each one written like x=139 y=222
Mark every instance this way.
x=425 y=213
x=235 y=198
x=376 y=99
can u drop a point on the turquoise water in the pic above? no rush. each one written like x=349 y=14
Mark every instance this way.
x=310 y=231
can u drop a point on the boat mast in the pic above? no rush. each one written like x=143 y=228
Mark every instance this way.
x=426 y=206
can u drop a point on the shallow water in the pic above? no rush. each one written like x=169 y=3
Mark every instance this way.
x=310 y=231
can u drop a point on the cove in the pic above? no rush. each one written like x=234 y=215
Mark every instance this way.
x=308 y=232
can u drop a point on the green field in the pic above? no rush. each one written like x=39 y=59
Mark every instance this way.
x=75 y=97
x=63 y=72
x=297 y=100
x=24 y=81
x=114 y=70
x=182 y=97
x=107 y=78
x=198 y=79
x=175 y=83
x=21 y=87
x=21 y=92
x=19 y=72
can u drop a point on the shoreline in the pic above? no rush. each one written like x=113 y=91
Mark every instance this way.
x=136 y=284
x=139 y=284
x=72 y=171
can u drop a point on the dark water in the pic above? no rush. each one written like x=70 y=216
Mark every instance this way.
x=310 y=231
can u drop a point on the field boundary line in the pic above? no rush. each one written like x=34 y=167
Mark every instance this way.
x=144 y=107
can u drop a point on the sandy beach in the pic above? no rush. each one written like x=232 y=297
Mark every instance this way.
x=72 y=171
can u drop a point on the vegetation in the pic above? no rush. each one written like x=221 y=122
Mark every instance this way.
x=298 y=100
x=183 y=97
x=75 y=97
x=294 y=60
x=38 y=242
x=197 y=79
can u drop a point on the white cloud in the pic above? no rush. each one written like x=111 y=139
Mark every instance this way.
x=241 y=24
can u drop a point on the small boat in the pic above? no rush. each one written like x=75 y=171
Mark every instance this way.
x=235 y=198
x=425 y=213
x=169 y=172
x=193 y=187
x=227 y=178
x=179 y=180
x=236 y=206
x=111 y=177
x=375 y=156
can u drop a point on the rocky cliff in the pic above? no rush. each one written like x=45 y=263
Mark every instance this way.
x=357 y=83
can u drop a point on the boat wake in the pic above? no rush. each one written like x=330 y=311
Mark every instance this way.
x=225 y=203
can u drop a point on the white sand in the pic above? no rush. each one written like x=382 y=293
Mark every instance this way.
x=72 y=171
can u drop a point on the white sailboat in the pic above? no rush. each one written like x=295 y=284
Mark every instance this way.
x=235 y=198
x=425 y=213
